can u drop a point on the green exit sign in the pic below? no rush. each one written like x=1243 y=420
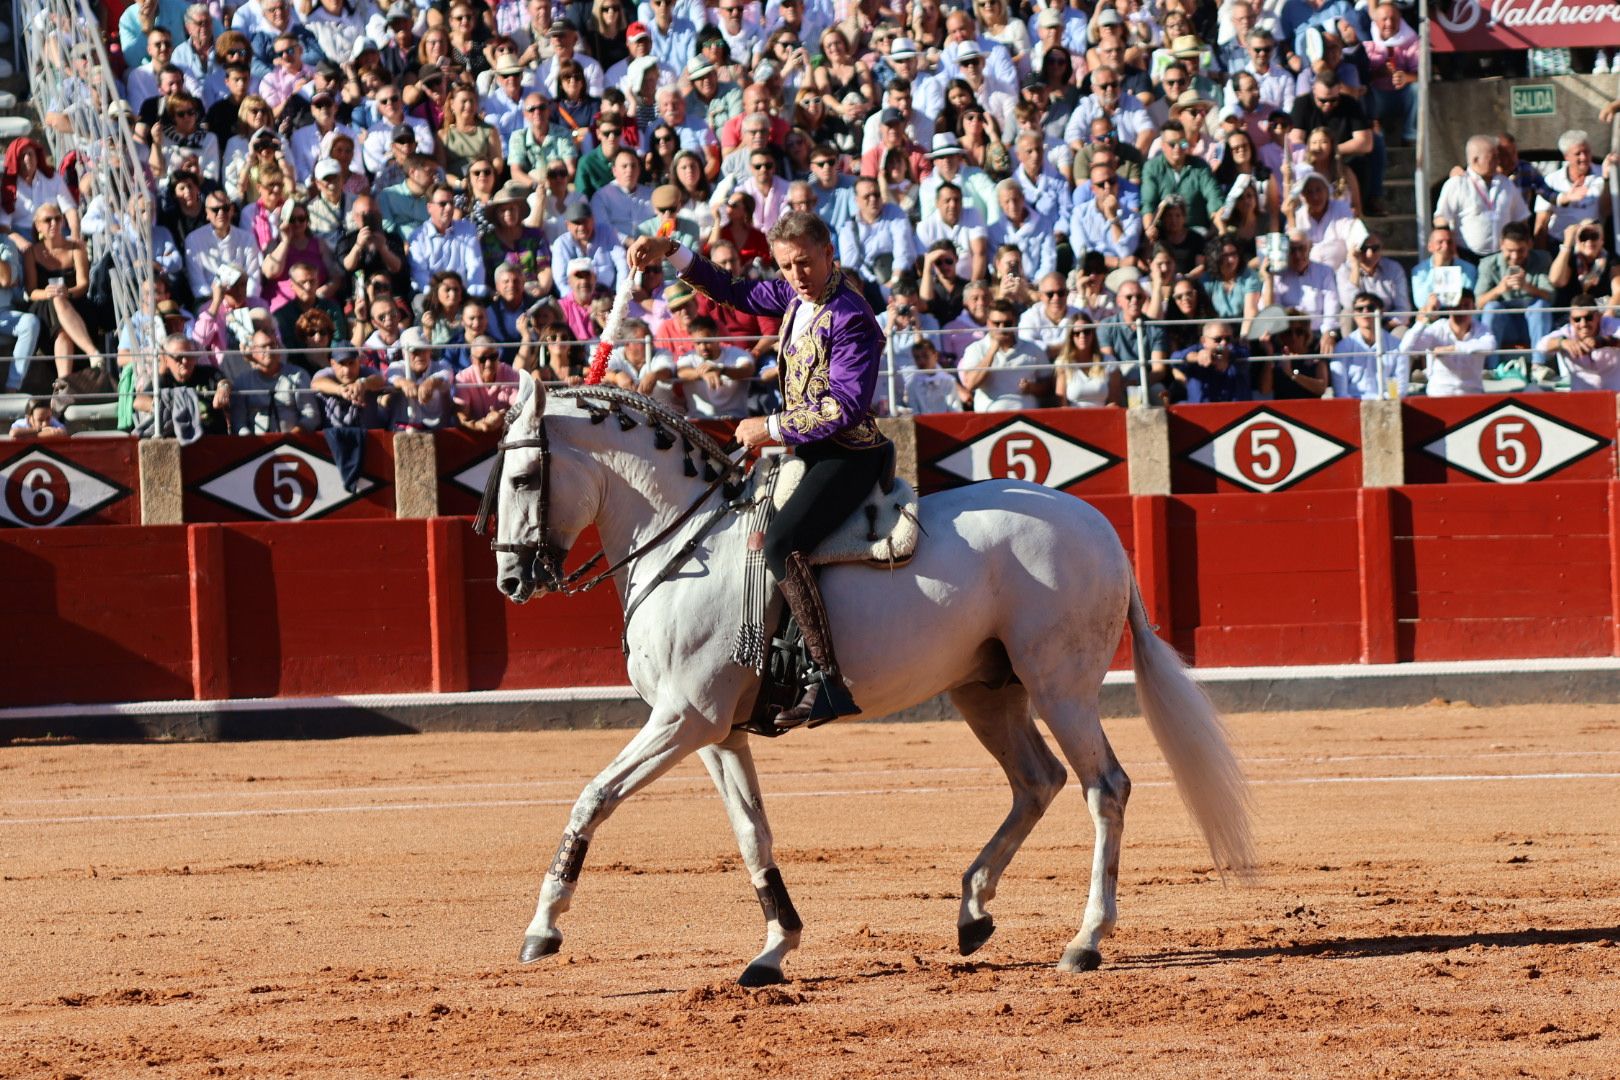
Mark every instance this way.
x=1538 y=100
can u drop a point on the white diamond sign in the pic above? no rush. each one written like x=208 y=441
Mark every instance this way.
x=283 y=483
x=1512 y=444
x=1266 y=451
x=476 y=475
x=1021 y=450
x=39 y=490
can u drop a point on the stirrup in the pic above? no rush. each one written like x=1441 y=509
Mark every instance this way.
x=824 y=700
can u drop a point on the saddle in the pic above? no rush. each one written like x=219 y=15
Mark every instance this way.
x=883 y=531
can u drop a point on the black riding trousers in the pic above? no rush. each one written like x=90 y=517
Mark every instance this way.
x=837 y=480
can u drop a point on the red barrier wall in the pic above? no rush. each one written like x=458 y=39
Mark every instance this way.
x=1509 y=439
x=56 y=482
x=1081 y=451
x=283 y=478
x=1264 y=447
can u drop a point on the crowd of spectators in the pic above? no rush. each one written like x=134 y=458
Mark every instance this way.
x=379 y=214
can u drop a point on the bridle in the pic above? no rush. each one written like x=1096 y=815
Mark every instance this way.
x=546 y=559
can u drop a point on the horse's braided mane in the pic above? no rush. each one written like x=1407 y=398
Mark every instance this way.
x=660 y=414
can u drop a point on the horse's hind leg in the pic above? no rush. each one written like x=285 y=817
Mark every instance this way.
x=731 y=765
x=1001 y=721
x=669 y=735
x=1076 y=726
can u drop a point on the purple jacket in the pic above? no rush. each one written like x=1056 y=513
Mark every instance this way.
x=829 y=374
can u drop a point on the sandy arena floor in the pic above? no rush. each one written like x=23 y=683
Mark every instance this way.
x=1440 y=897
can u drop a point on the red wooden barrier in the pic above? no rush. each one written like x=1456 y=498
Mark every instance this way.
x=69 y=482
x=1509 y=439
x=1265 y=446
x=283 y=478
x=1081 y=451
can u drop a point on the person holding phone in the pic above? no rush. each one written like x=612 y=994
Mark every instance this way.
x=1515 y=292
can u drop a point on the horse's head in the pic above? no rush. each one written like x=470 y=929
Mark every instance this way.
x=545 y=498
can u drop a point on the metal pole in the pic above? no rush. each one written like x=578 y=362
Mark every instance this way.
x=1378 y=360
x=1420 y=174
x=1614 y=176
x=1142 y=358
x=888 y=358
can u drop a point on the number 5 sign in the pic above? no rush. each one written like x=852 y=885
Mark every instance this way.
x=1266 y=451
x=1021 y=450
x=1512 y=444
x=284 y=482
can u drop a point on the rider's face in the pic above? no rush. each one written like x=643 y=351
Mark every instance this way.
x=806 y=266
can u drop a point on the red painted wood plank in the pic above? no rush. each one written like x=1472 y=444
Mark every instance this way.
x=210 y=669
x=1377 y=577
x=1154 y=573
x=1506 y=639
x=1247 y=646
x=1614 y=562
x=447 y=605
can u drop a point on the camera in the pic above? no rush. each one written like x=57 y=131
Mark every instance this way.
x=903 y=309
x=372 y=220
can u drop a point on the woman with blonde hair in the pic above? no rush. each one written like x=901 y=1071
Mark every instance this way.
x=56 y=280
x=1321 y=155
x=251 y=115
x=1084 y=378
x=841 y=74
x=467 y=137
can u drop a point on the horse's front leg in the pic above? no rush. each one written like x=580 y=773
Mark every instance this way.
x=731 y=765
x=670 y=734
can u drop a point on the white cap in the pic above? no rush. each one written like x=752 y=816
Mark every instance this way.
x=327 y=167
x=968 y=50
x=413 y=339
x=902 y=49
x=580 y=265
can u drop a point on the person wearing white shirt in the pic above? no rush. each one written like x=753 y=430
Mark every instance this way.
x=1047 y=323
x=1578 y=188
x=951 y=167
x=1305 y=285
x=1457 y=348
x=379 y=141
x=304 y=148
x=141 y=83
x=878 y=242
x=1326 y=221
x=996 y=367
x=962 y=226
x=1368 y=358
x=928 y=387
x=219 y=243
x=1588 y=345
x=443 y=243
x=502 y=107
x=716 y=376
x=564 y=37
x=1480 y=201
x=625 y=202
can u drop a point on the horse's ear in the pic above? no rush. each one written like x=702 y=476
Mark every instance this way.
x=531 y=403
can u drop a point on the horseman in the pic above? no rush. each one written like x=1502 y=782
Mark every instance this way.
x=831 y=350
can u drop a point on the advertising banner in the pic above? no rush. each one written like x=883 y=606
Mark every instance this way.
x=1491 y=25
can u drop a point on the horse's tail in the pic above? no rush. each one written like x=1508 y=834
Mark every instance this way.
x=1193 y=740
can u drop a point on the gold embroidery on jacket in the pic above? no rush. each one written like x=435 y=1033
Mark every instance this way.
x=808 y=403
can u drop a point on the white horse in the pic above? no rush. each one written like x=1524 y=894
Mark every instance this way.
x=1014 y=606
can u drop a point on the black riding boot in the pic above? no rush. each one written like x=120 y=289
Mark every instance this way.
x=825 y=695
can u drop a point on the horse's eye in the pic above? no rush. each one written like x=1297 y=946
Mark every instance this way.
x=520 y=482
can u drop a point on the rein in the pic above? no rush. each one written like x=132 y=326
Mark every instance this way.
x=546 y=559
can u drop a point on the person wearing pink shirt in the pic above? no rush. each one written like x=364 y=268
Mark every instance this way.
x=1392 y=50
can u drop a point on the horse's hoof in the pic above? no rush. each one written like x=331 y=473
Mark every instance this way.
x=538 y=947
x=1080 y=960
x=761 y=975
x=972 y=936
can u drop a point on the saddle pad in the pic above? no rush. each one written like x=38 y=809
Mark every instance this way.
x=883 y=530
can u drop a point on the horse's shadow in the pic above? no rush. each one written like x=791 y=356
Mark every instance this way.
x=1361 y=948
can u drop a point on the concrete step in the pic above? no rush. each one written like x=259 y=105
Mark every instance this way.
x=1400 y=196
x=1402 y=160
x=1398 y=230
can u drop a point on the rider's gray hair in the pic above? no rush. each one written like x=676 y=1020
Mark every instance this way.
x=800 y=227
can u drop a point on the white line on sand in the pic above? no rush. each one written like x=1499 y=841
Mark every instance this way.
x=81 y=819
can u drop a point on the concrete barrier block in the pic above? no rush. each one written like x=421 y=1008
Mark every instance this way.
x=1147 y=438
x=161 y=492
x=416 y=475
x=902 y=431
x=1383 y=444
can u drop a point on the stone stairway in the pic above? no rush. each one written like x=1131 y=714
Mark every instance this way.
x=1398 y=224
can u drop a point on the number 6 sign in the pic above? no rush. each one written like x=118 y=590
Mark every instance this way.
x=40 y=490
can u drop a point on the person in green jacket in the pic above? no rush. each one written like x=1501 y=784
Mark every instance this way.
x=1177 y=172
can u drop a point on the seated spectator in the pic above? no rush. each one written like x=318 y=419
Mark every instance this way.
x=970 y=325
x=351 y=393
x=1306 y=285
x=1177 y=172
x=509 y=241
x=1369 y=271
x=635 y=365
x=1442 y=248
x=878 y=243
x=962 y=227
x=576 y=304
x=1481 y=201
x=1583 y=265
x=1023 y=230
x=928 y=388
x=1216 y=369
x=404 y=206
x=1456 y=347
x=443 y=243
x=666 y=209
x=715 y=376
x=624 y=202
x=1084 y=378
x=226 y=323
x=1119 y=336
x=217 y=244
x=1103 y=223
x=997 y=368
x=1171 y=234
x=38 y=422
x=1328 y=106
x=382 y=345
x=421 y=398
x=367 y=249
x=271 y=396
x=1047 y=323
x=1392 y=50
x=487 y=388
x=22 y=326
x=1233 y=289
x=1367 y=362
x=1515 y=291
x=297 y=247
x=589 y=239
x=1328 y=222
x=194 y=398
x=1588 y=346
x=1301 y=372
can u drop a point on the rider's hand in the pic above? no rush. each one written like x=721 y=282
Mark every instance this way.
x=646 y=252
x=754 y=432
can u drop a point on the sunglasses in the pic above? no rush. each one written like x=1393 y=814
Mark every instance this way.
x=534 y=108
x=441 y=202
x=1002 y=325
x=826 y=164
x=1366 y=309
x=1220 y=339
x=1588 y=237
x=299 y=219
x=182 y=114
x=665 y=138
x=389 y=99
x=1106 y=85
x=1050 y=293
x=763 y=165
x=217 y=209
x=1583 y=318
x=50 y=219
x=293 y=50
x=1108 y=183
